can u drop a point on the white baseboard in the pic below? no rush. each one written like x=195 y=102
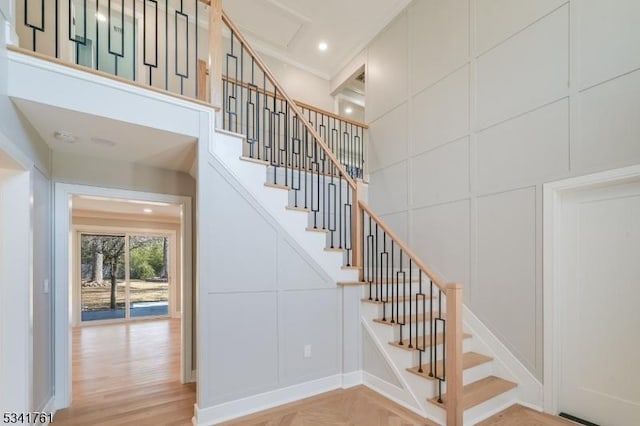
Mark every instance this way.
x=389 y=391
x=192 y=378
x=256 y=403
x=352 y=379
x=49 y=407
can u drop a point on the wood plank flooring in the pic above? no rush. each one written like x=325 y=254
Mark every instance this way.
x=128 y=374
x=351 y=407
x=517 y=415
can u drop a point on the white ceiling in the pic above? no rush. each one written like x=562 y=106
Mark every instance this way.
x=110 y=139
x=107 y=206
x=290 y=30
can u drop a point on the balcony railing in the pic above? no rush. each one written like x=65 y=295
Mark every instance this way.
x=165 y=44
x=154 y=42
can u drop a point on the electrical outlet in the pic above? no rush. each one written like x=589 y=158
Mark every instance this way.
x=46 y=286
x=307 y=351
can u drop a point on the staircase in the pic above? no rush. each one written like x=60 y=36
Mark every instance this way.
x=411 y=314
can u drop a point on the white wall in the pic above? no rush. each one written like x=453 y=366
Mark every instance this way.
x=473 y=105
x=301 y=85
x=262 y=300
x=70 y=168
x=16 y=337
x=20 y=141
x=42 y=294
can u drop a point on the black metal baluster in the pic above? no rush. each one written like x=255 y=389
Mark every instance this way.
x=133 y=41
x=98 y=35
x=432 y=349
x=148 y=64
x=393 y=286
x=411 y=304
x=179 y=73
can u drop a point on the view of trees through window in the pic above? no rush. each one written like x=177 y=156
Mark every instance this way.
x=105 y=291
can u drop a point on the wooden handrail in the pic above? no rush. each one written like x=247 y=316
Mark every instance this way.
x=404 y=247
x=329 y=153
x=103 y=74
x=331 y=114
x=453 y=359
x=299 y=103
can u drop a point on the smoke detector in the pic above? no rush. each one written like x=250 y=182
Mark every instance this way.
x=65 y=136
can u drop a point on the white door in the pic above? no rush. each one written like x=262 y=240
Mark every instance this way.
x=600 y=296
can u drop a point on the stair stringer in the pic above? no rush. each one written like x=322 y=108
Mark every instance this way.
x=226 y=147
x=416 y=389
x=505 y=365
x=413 y=395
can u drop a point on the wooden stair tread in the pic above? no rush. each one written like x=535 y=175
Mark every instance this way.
x=325 y=231
x=255 y=160
x=481 y=391
x=414 y=281
x=469 y=360
x=338 y=249
x=298 y=209
x=278 y=186
x=439 y=341
x=412 y=318
x=400 y=299
x=348 y=268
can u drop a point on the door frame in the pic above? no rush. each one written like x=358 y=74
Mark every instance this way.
x=63 y=275
x=16 y=262
x=174 y=284
x=554 y=269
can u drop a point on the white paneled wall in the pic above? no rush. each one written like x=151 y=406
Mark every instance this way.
x=263 y=300
x=472 y=106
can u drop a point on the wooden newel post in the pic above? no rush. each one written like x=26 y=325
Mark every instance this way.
x=453 y=360
x=356 y=243
x=215 y=57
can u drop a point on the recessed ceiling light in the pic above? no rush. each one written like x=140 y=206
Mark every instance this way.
x=147 y=210
x=64 y=136
x=101 y=17
x=348 y=110
x=322 y=46
x=103 y=142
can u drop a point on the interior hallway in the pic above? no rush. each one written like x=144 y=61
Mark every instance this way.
x=128 y=374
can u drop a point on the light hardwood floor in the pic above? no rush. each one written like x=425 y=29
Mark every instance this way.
x=128 y=374
x=360 y=406
x=518 y=415
x=356 y=406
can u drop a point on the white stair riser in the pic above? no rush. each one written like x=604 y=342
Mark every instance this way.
x=404 y=308
x=469 y=375
x=412 y=358
x=488 y=408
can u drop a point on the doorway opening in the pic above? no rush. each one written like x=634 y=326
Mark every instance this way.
x=127 y=261
x=591 y=245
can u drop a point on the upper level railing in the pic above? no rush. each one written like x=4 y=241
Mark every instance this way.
x=243 y=97
x=153 y=42
x=165 y=44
